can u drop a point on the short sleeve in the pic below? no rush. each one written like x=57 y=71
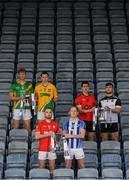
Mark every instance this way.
x=37 y=129
x=82 y=125
x=118 y=102
x=12 y=88
x=77 y=100
x=65 y=126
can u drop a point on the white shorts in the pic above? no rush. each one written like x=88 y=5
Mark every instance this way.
x=26 y=114
x=77 y=152
x=46 y=155
x=40 y=116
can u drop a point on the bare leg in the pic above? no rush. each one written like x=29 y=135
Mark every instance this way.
x=81 y=163
x=91 y=136
x=115 y=136
x=51 y=166
x=68 y=163
x=42 y=164
x=16 y=124
x=104 y=136
x=27 y=126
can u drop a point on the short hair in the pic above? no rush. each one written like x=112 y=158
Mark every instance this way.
x=21 y=70
x=73 y=107
x=84 y=82
x=44 y=72
x=108 y=84
x=47 y=108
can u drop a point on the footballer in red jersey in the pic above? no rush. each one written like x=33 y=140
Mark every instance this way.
x=85 y=103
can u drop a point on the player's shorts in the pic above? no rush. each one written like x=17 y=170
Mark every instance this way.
x=46 y=155
x=26 y=114
x=77 y=152
x=109 y=127
x=89 y=126
x=40 y=116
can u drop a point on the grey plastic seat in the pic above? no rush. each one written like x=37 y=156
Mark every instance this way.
x=18 y=135
x=124 y=121
x=119 y=48
x=30 y=39
x=3 y=135
x=127 y=174
x=118 y=29
x=82 y=21
x=3 y=122
x=106 y=48
x=122 y=87
x=64 y=48
x=104 y=76
x=120 y=38
x=46 y=30
x=16 y=161
x=87 y=173
x=25 y=57
x=46 y=12
x=112 y=173
x=64 y=21
x=10 y=21
x=15 y=173
x=17 y=147
x=12 y=30
x=90 y=147
x=111 y=160
x=83 y=57
x=80 y=76
x=37 y=173
x=64 y=76
x=45 y=48
x=4 y=110
x=8 y=39
x=34 y=161
x=110 y=147
x=82 y=30
x=64 y=30
x=62 y=109
x=2 y=147
x=11 y=13
x=83 y=48
x=29 y=66
x=63 y=174
x=43 y=57
x=7 y=67
x=84 y=66
x=103 y=57
x=122 y=76
x=121 y=57
x=100 y=29
x=29 y=48
x=9 y=48
x=34 y=147
x=85 y=39
x=64 y=87
x=4 y=99
x=45 y=66
x=125 y=134
x=64 y=39
x=27 y=30
x=4 y=87
x=120 y=66
x=98 y=5
x=65 y=67
x=47 y=21
x=104 y=66
x=1 y=161
x=118 y=21
x=126 y=147
x=64 y=57
x=65 y=98
x=101 y=38
x=9 y=57
x=91 y=161
x=46 y=38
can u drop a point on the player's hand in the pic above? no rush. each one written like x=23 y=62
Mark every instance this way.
x=68 y=136
x=92 y=109
x=107 y=108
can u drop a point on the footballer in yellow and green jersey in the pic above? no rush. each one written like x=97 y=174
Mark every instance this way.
x=21 y=90
x=45 y=96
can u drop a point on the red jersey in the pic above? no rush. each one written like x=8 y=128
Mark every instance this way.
x=86 y=102
x=45 y=127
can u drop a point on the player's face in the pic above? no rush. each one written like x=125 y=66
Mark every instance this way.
x=73 y=112
x=22 y=75
x=44 y=78
x=85 y=88
x=48 y=114
x=109 y=89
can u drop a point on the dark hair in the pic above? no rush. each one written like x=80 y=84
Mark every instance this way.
x=21 y=70
x=44 y=72
x=108 y=84
x=47 y=108
x=73 y=107
x=84 y=82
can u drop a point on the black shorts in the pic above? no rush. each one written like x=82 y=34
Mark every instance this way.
x=109 y=128
x=89 y=126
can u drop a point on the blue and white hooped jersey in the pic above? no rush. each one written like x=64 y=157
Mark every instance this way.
x=74 y=127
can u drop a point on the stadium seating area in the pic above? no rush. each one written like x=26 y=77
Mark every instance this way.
x=73 y=40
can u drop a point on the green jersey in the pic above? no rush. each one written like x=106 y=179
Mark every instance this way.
x=21 y=90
